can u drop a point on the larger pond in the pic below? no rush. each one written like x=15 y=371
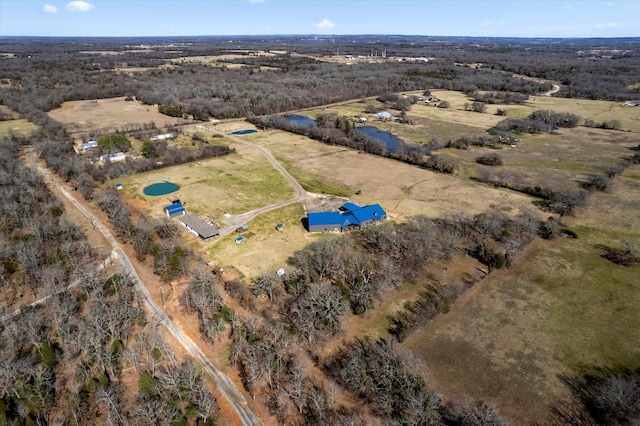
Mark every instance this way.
x=160 y=188
x=301 y=120
x=390 y=141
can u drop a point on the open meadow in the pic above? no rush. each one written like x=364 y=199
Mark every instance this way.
x=561 y=310
x=108 y=115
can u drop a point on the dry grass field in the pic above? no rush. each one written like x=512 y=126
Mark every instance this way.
x=561 y=310
x=403 y=190
x=20 y=127
x=108 y=114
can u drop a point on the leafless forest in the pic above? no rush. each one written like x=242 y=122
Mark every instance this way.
x=90 y=354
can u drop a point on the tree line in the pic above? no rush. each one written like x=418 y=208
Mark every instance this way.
x=71 y=358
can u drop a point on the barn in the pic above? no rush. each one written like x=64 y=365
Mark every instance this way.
x=199 y=227
x=349 y=216
x=176 y=209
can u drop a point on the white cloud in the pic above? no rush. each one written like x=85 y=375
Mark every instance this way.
x=49 y=9
x=324 y=24
x=610 y=25
x=79 y=6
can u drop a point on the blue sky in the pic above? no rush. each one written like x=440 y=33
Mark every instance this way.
x=507 y=18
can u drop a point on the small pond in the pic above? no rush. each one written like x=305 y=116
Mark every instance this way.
x=244 y=132
x=301 y=120
x=160 y=188
x=390 y=141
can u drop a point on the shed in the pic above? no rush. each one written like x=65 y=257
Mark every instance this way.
x=173 y=210
x=199 y=227
x=118 y=186
x=89 y=145
x=239 y=240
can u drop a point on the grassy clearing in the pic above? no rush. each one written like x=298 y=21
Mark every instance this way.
x=313 y=183
x=264 y=248
x=400 y=188
x=233 y=184
x=560 y=310
x=113 y=113
x=20 y=127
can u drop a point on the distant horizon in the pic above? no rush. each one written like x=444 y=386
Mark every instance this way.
x=546 y=19
x=323 y=36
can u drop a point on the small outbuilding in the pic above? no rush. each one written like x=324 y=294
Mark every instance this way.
x=384 y=115
x=239 y=240
x=174 y=210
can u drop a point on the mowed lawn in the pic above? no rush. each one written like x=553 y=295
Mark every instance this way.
x=561 y=310
x=233 y=184
x=264 y=250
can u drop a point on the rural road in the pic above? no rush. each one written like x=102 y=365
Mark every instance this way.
x=223 y=383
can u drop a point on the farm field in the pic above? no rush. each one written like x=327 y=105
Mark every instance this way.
x=403 y=190
x=511 y=337
x=108 y=115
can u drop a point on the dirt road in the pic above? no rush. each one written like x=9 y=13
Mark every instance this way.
x=223 y=383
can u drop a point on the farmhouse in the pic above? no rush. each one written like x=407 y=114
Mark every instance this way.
x=384 y=115
x=349 y=216
x=199 y=227
x=175 y=209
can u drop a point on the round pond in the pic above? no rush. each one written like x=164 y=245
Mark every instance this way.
x=160 y=188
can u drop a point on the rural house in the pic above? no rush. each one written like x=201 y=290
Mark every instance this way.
x=349 y=216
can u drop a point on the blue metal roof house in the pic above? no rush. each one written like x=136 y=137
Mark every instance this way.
x=350 y=216
x=173 y=210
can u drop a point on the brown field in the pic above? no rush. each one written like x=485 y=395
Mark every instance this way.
x=114 y=113
x=264 y=249
x=560 y=310
x=401 y=189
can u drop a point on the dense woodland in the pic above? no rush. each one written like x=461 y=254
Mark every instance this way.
x=65 y=360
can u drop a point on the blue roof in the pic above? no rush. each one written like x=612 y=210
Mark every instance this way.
x=356 y=216
x=174 y=208
x=325 y=218
x=349 y=206
x=367 y=213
